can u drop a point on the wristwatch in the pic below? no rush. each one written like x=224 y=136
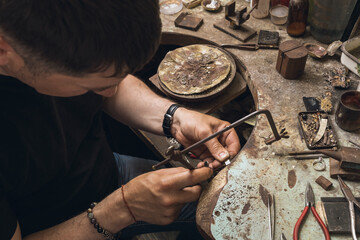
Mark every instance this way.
x=168 y=119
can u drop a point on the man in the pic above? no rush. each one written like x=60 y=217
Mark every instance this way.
x=61 y=63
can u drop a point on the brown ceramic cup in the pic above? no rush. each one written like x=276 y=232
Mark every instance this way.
x=347 y=115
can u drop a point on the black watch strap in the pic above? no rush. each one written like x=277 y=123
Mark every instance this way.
x=168 y=118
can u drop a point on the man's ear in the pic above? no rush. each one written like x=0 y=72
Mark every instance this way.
x=6 y=51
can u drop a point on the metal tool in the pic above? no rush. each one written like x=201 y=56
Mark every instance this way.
x=271 y=205
x=309 y=156
x=306 y=155
x=176 y=155
x=310 y=203
x=236 y=18
x=303 y=152
x=352 y=201
x=249 y=46
x=349 y=157
x=282 y=237
x=233 y=23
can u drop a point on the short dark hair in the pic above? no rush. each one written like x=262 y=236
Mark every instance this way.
x=82 y=36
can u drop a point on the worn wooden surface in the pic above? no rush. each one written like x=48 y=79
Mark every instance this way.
x=232 y=207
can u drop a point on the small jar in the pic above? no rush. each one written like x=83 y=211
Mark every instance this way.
x=281 y=2
x=170 y=6
x=297 y=17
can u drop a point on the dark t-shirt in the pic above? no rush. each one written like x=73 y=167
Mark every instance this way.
x=54 y=157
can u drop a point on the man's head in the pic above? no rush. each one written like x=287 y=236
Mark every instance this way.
x=79 y=37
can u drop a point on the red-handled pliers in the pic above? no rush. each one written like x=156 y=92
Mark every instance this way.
x=310 y=203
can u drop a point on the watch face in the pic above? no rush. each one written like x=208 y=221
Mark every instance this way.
x=194 y=69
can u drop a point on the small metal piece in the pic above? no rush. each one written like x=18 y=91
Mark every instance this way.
x=319 y=164
x=170 y=150
x=325 y=139
x=282 y=237
x=227 y=162
x=175 y=155
x=173 y=142
x=329 y=140
x=206 y=164
x=324 y=182
x=283 y=134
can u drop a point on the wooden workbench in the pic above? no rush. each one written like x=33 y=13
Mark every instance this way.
x=231 y=207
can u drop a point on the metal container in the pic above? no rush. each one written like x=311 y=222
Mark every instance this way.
x=347 y=115
x=328 y=18
x=350 y=56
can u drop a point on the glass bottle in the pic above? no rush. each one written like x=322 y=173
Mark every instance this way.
x=297 y=18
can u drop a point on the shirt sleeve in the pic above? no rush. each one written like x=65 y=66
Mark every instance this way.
x=8 y=219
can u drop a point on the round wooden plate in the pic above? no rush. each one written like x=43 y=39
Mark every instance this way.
x=210 y=93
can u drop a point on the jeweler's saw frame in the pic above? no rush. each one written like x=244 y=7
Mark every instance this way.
x=177 y=155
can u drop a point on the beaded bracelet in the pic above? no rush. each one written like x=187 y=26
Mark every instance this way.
x=108 y=235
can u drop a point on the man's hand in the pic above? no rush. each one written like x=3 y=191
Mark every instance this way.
x=189 y=127
x=158 y=197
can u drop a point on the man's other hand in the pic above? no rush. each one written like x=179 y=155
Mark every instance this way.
x=158 y=197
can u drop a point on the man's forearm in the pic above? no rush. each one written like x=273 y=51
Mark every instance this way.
x=111 y=214
x=137 y=106
x=75 y=228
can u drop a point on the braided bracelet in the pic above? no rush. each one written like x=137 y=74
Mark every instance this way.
x=108 y=235
x=127 y=206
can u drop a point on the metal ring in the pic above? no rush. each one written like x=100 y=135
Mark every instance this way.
x=319 y=164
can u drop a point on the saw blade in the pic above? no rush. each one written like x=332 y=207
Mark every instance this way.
x=321 y=131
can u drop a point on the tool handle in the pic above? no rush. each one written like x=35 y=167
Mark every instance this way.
x=298 y=223
x=352 y=219
x=165 y=161
x=321 y=223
